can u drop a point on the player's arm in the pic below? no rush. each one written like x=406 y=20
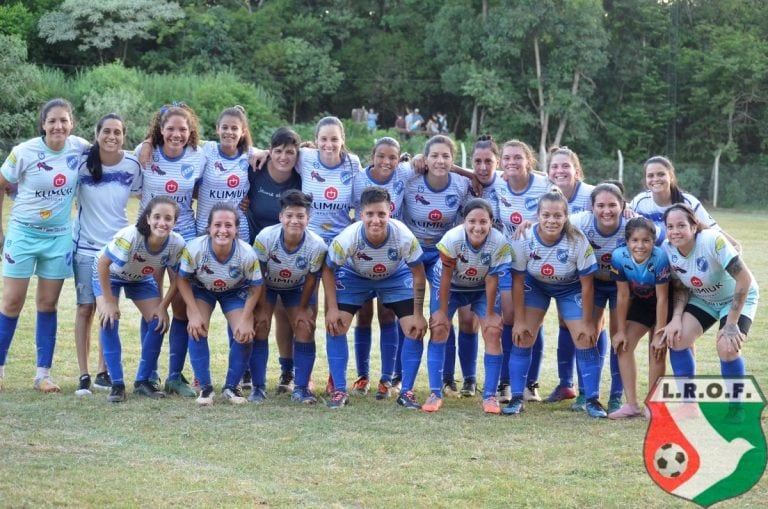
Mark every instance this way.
x=730 y=331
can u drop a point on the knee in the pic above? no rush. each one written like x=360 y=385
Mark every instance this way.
x=365 y=316
x=85 y=311
x=725 y=354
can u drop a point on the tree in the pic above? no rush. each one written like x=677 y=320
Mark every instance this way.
x=19 y=89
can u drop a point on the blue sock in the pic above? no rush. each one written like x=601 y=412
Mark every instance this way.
x=230 y=335
x=151 y=343
x=411 y=358
x=617 y=386
x=338 y=356
x=388 y=343
x=45 y=337
x=7 y=329
x=258 y=362
x=286 y=363
x=363 y=351
x=506 y=348
x=603 y=345
x=537 y=355
x=178 y=342
x=683 y=362
x=492 y=365
x=110 y=346
x=142 y=334
x=449 y=364
x=435 y=360
x=591 y=364
x=200 y=358
x=519 y=365
x=734 y=368
x=565 y=356
x=468 y=356
x=239 y=357
x=398 y=371
x=304 y=354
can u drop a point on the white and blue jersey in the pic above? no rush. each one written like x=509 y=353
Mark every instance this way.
x=558 y=264
x=641 y=277
x=101 y=206
x=46 y=184
x=644 y=205
x=200 y=265
x=473 y=265
x=395 y=185
x=174 y=177
x=514 y=208
x=132 y=260
x=225 y=179
x=581 y=199
x=284 y=269
x=603 y=245
x=429 y=213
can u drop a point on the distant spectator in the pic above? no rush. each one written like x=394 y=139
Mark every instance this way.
x=432 y=125
x=373 y=117
x=442 y=122
x=417 y=121
x=409 y=115
x=400 y=123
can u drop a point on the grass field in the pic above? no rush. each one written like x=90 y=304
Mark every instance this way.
x=65 y=451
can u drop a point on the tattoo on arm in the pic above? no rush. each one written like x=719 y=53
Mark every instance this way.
x=418 y=296
x=735 y=267
x=739 y=298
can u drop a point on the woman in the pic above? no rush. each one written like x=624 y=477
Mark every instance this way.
x=219 y=267
x=39 y=236
x=128 y=261
x=554 y=260
x=472 y=256
x=107 y=178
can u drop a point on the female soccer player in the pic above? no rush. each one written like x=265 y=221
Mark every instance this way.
x=554 y=260
x=129 y=261
x=376 y=254
x=720 y=288
x=472 y=256
x=641 y=272
x=219 y=267
x=107 y=178
x=39 y=237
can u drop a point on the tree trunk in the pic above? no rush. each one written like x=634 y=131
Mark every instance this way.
x=473 y=125
x=293 y=121
x=564 y=120
x=543 y=116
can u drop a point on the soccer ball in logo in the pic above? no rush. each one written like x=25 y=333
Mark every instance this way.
x=670 y=460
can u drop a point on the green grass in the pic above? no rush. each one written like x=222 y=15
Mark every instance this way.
x=64 y=451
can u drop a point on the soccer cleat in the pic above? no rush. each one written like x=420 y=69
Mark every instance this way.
x=361 y=386
x=626 y=411
x=179 y=386
x=531 y=393
x=614 y=404
x=206 y=395
x=330 y=388
x=195 y=386
x=258 y=395
x=515 y=406
x=46 y=385
x=148 y=389
x=102 y=381
x=384 y=390
x=246 y=383
x=233 y=395
x=408 y=400
x=155 y=381
x=491 y=405
x=84 y=386
x=303 y=395
x=397 y=381
x=580 y=404
x=504 y=393
x=433 y=403
x=595 y=409
x=560 y=393
x=338 y=400
x=117 y=394
x=469 y=388
x=285 y=383
x=450 y=389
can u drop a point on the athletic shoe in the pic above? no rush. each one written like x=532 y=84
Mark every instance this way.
x=338 y=400
x=206 y=395
x=179 y=386
x=117 y=394
x=397 y=381
x=433 y=403
x=531 y=393
x=408 y=400
x=329 y=387
x=258 y=395
x=504 y=393
x=195 y=386
x=303 y=395
x=491 y=405
x=595 y=409
x=614 y=404
x=515 y=406
x=246 y=383
x=580 y=404
x=450 y=389
x=468 y=388
x=626 y=411
x=560 y=394
x=46 y=385
x=384 y=390
x=148 y=389
x=156 y=382
x=361 y=386
x=233 y=395
x=84 y=387
x=285 y=383
x=102 y=381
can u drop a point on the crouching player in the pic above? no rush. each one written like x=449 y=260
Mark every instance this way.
x=472 y=256
x=291 y=261
x=375 y=257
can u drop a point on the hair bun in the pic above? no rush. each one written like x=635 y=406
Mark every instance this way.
x=239 y=108
x=485 y=137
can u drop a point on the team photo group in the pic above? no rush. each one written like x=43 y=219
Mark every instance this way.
x=275 y=234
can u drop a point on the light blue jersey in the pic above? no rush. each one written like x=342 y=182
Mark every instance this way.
x=642 y=277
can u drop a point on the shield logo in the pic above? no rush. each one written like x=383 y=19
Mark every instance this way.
x=704 y=442
x=452 y=201
x=562 y=255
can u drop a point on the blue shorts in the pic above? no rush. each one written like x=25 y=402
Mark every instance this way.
x=135 y=290
x=27 y=252
x=505 y=281
x=605 y=292
x=431 y=259
x=291 y=297
x=354 y=290
x=567 y=297
x=475 y=298
x=233 y=299
x=84 y=271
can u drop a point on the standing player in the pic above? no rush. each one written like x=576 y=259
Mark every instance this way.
x=39 y=237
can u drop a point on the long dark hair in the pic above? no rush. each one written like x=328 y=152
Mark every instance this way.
x=93 y=160
x=142 y=224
